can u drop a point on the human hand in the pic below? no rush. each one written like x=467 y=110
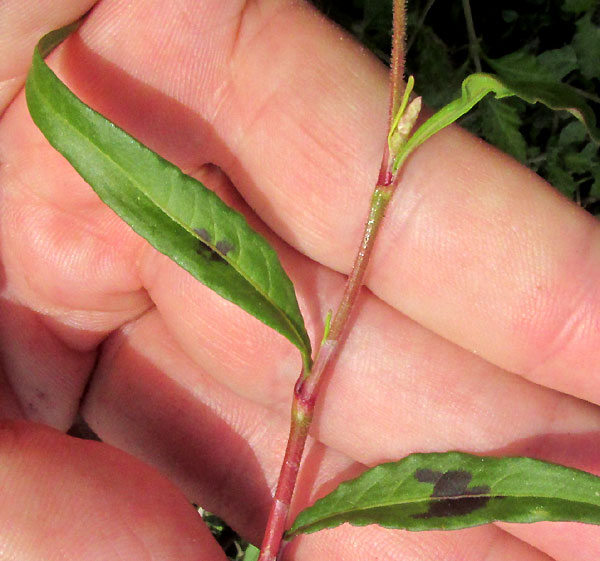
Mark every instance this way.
x=496 y=272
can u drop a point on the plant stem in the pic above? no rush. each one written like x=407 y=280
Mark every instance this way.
x=307 y=385
x=397 y=62
x=306 y=388
x=473 y=43
x=301 y=419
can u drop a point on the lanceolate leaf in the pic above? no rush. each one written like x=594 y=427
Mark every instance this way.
x=174 y=212
x=476 y=86
x=453 y=490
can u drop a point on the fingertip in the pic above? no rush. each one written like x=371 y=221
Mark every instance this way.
x=65 y=498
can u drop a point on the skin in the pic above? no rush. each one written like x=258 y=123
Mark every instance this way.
x=478 y=329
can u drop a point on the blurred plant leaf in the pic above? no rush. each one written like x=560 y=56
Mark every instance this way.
x=559 y=62
x=586 y=43
x=521 y=66
x=578 y=6
x=438 y=81
x=500 y=122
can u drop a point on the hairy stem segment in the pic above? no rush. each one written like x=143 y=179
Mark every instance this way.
x=306 y=388
x=398 y=56
x=396 y=82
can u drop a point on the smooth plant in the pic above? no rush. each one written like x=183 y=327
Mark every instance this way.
x=189 y=223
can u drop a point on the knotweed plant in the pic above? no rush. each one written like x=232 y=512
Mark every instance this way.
x=187 y=222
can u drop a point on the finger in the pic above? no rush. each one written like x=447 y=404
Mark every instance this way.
x=374 y=542
x=71 y=499
x=583 y=541
x=148 y=398
x=427 y=306
x=64 y=253
x=21 y=26
x=469 y=230
x=42 y=378
x=487 y=439
x=225 y=452
x=190 y=315
x=400 y=387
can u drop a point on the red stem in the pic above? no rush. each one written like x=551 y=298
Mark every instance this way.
x=301 y=417
x=397 y=61
x=306 y=388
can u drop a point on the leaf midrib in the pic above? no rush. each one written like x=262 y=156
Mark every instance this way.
x=430 y=499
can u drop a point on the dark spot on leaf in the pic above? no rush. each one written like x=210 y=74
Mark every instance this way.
x=224 y=247
x=452 y=489
x=202 y=234
x=208 y=253
x=427 y=476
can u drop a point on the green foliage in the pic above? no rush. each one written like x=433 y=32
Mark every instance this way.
x=234 y=547
x=551 y=66
x=476 y=86
x=452 y=491
x=430 y=56
x=501 y=122
x=556 y=40
x=578 y=6
x=251 y=553
x=174 y=212
x=586 y=43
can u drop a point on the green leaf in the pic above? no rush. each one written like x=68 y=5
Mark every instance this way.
x=572 y=133
x=500 y=124
x=559 y=62
x=557 y=174
x=452 y=491
x=251 y=553
x=557 y=97
x=404 y=120
x=54 y=38
x=577 y=6
x=550 y=66
x=571 y=163
x=476 y=86
x=174 y=212
x=587 y=46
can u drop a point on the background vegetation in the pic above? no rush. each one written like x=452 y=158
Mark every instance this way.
x=551 y=40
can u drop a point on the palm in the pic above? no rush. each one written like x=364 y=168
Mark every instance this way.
x=478 y=252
